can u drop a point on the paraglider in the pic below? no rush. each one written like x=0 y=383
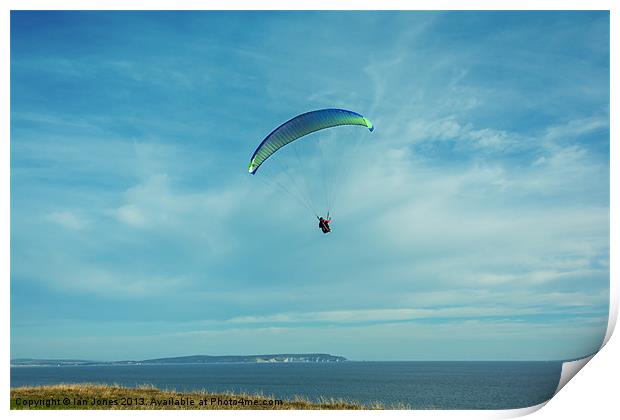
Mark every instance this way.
x=292 y=131
x=324 y=224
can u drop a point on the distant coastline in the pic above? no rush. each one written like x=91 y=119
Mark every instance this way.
x=196 y=359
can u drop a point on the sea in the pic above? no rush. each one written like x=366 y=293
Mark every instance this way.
x=415 y=385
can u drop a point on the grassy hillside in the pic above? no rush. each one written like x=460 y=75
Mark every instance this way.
x=114 y=397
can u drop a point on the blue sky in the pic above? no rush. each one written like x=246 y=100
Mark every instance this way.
x=476 y=225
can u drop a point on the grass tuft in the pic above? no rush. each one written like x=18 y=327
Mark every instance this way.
x=90 y=396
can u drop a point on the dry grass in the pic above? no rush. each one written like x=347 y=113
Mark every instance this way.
x=147 y=397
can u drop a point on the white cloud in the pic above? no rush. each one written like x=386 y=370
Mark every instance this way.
x=576 y=128
x=156 y=203
x=130 y=214
x=67 y=219
x=389 y=315
x=201 y=217
x=116 y=284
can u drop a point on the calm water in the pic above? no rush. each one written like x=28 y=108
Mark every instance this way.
x=446 y=385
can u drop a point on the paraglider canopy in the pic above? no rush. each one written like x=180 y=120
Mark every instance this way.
x=303 y=125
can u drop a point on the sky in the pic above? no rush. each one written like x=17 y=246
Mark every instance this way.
x=473 y=223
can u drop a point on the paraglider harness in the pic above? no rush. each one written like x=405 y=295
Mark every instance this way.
x=324 y=224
